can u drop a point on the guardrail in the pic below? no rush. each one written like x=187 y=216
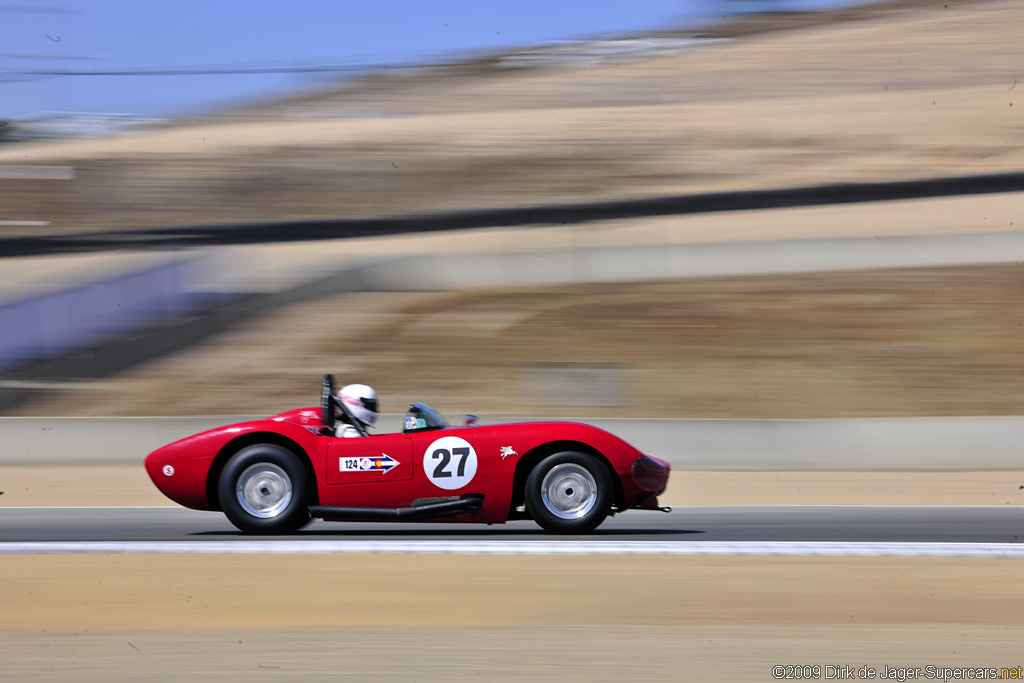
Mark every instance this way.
x=552 y=214
x=555 y=267
x=958 y=443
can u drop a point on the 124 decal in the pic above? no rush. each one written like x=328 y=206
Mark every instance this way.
x=383 y=463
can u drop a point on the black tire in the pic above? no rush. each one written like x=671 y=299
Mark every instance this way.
x=264 y=489
x=569 y=493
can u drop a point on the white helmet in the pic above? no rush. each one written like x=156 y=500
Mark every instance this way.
x=361 y=401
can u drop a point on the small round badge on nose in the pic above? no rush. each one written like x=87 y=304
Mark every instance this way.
x=168 y=470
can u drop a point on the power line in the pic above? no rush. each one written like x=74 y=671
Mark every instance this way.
x=36 y=9
x=219 y=71
x=19 y=55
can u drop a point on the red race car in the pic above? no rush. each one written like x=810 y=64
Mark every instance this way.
x=273 y=476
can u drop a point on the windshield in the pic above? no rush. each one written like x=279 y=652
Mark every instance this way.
x=421 y=418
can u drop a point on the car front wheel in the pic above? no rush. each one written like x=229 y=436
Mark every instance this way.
x=264 y=489
x=569 y=492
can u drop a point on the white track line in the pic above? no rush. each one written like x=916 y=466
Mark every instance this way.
x=554 y=547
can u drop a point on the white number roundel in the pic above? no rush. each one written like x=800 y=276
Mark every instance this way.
x=450 y=463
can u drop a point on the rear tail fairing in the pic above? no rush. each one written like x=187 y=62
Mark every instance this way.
x=641 y=478
x=514 y=449
x=650 y=475
x=639 y=475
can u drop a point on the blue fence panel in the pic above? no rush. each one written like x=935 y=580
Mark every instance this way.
x=56 y=323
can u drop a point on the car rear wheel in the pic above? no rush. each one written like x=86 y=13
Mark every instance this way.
x=264 y=489
x=569 y=492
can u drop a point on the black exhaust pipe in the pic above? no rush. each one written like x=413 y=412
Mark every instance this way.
x=462 y=506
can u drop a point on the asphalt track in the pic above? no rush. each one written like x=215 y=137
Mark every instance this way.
x=684 y=525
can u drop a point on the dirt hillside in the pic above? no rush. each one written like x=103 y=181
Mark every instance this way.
x=924 y=92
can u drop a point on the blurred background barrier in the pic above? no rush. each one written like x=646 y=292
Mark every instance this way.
x=960 y=443
x=554 y=267
x=54 y=323
x=32 y=172
x=577 y=384
x=122 y=319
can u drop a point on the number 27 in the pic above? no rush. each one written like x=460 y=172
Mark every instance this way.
x=445 y=456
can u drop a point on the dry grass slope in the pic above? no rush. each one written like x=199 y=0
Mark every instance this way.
x=943 y=341
x=895 y=95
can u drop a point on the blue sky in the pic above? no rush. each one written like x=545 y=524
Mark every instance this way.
x=106 y=35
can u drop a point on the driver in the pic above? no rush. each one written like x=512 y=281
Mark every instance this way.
x=361 y=401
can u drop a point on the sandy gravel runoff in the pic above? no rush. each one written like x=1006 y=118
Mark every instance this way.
x=354 y=617
x=398 y=617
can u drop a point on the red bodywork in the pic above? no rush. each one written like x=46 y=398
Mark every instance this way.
x=187 y=471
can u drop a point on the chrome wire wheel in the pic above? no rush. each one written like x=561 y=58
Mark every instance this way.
x=264 y=490
x=569 y=491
